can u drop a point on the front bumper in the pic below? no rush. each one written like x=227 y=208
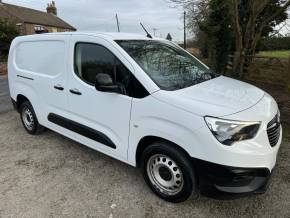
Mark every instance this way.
x=226 y=182
x=246 y=166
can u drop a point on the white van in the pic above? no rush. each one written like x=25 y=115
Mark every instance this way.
x=149 y=103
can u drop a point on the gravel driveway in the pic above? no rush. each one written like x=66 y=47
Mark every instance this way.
x=52 y=176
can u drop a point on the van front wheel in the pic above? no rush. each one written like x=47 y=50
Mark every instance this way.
x=168 y=172
x=29 y=119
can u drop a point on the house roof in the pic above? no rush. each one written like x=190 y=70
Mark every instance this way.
x=28 y=15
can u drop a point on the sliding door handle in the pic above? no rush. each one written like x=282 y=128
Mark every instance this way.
x=59 y=87
x=75 y=91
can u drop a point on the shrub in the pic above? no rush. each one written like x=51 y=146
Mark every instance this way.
x=274 y=43
x=8 y=32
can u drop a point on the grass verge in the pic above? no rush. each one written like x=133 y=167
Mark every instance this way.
x=277 y=54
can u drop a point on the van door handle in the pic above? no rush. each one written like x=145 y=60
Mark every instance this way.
x=59 y=87
x=75 y=91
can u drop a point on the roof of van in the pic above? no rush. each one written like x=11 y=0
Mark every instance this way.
x=108 y=35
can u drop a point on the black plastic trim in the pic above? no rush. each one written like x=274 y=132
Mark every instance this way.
x=25 y=77
x=81 y=129
x=227 y=182
x=59 y=88
x=75 y=92
x=14 y=103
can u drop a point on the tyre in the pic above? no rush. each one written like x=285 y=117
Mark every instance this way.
x=29 y=119
x=168 y=172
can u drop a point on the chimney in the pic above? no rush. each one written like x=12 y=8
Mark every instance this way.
x=51 y=9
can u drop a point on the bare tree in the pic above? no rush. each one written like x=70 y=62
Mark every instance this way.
x=196 y=12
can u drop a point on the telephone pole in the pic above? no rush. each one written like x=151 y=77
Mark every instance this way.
x=184 y=30
x=117 y=20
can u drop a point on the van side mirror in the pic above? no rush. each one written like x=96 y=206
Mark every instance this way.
x=104 y=83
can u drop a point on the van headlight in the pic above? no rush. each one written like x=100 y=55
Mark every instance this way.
x=229 y=131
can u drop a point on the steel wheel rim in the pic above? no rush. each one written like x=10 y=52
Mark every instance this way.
x=27 y=118
x=165 y=174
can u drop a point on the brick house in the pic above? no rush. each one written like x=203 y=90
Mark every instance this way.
x=30 y=21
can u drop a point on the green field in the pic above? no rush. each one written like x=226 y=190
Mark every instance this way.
x=278 y=54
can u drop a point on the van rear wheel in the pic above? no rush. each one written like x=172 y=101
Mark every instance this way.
x=168 y=172
x=29 y=119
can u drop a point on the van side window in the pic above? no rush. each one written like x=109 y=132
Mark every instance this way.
x=92 y=59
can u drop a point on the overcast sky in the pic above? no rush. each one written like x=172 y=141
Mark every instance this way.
x=99 y=15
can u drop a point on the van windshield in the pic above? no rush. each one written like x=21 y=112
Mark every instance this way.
x=169 y=66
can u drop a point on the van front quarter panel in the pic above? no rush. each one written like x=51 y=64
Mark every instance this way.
x=151 y=117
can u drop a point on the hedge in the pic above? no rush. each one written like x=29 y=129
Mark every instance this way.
x=277 y=43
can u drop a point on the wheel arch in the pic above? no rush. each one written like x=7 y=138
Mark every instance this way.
x=20 y=99
x=147 y=140
x=21 y=92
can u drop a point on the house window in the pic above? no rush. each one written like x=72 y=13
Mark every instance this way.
x=39 y=29
x=20 y=27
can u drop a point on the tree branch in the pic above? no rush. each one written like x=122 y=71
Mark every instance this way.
x=264 y=23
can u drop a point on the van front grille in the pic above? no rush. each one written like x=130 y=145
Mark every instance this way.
x=273 y=130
